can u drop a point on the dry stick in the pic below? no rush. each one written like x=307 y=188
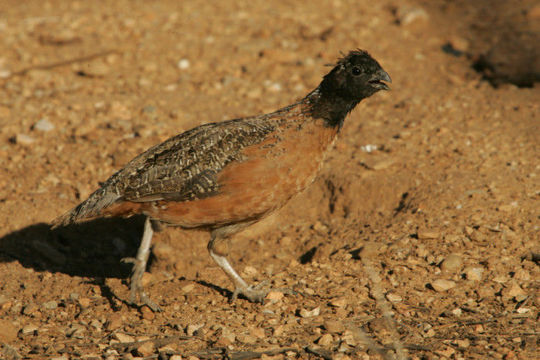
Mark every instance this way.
x=64 y=62
x=242 y=355
x=385 y=308
x=157 y=342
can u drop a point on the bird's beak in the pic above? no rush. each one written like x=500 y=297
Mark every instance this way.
x=378 y=78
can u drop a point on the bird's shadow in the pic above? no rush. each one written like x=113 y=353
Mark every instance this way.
x=91 y=249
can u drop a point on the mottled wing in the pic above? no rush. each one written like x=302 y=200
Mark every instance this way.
x=186 y=166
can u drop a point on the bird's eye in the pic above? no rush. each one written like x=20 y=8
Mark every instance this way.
x=356 y=71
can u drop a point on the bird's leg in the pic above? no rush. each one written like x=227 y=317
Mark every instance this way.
x=218 y=251
x=139 y=266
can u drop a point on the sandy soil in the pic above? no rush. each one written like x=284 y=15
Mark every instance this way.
x=421 y=233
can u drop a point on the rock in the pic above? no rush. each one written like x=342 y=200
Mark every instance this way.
x=4 y=73
x=163 y=251
x=188 y=288
x=459 y=43
x=63 y=357
x=147 y=313
x=43 y=125
x=50 y=305
x=407 y=15
x=114 y=322
x=474 y=273
x=30 y=308
x=29 y=329
x=383 y=164
x=246 y=339
x=428 y=235
x=184 y=64
x=334 y=326
x=96 y=324
x=84 y=302
x=192 y=329
x=147 y=278
x=339 y=302
x=513 y=290
x=75 y=331
x=452 y=263
x=23 y=139
x=175 y=357
x=325 y=340
x=309 y=313
x=393 y=297
x=146 y=349
x=123 y=338
x=274 y=296
x=441 y=285
x=258 y=333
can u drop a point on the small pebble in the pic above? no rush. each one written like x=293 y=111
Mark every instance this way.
x=258 y=333
x=274 y=296
x=43 y=125
x=246 y=339
x=123 y=338
x=50 y=305
x=75 y=331
x=474 y=273
x=441 y=285
x=513 y=290
x=29 y=329
x=192 y=328
x=63 y=357
x=114 y=322
x=24 y=139
x=309 y=313
x=325 y=340
x=30 y=308
x=334 y=326
x=408 y=15
x=428 y=235
x=393 y=297
x=147 y=313
x=183 y=64
x=84 y=302
x=146 y=349
x=452 y=263
x=339 y=302
x=188 y=288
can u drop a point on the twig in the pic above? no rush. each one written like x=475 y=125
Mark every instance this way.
x=385 y=309
x=325 y=354
x=247 y=355
x=240 y=355
x=129 y=346
x=63 y=62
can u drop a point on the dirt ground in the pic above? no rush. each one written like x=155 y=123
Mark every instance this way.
x=420 y=238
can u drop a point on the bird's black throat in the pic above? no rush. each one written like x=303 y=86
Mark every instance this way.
x=330 y=107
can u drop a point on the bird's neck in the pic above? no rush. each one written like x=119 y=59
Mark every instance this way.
x=330 y=107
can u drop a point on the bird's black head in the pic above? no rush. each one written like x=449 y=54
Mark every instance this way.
x=355 y=77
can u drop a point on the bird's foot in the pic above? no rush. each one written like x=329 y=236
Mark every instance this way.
x=136 y=288
x=257 y=294
x=254 y=294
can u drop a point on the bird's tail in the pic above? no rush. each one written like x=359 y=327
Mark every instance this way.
x=88 y=209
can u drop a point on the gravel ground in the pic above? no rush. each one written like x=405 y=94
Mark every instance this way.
x=420 y=238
